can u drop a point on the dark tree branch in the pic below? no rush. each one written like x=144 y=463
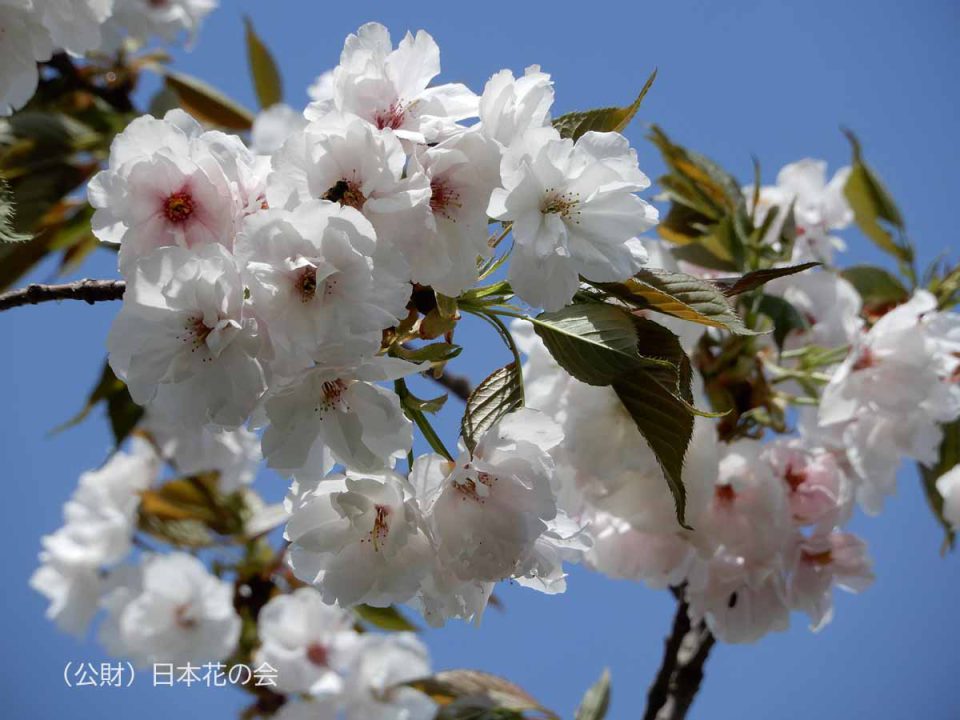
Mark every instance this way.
x=459 y=385
x=90 y=291
x=685 y=652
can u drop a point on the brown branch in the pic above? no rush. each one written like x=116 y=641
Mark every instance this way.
x=685 y=652
x=459 y=385
x=90 y=291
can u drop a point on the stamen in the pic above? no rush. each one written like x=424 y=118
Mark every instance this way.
x=381 y=527
x=563 y=204
x=182 y=619
x=347 y=193
x=442 y=197
x=195 y=334
x=333 y=391
x=178 y=207
x=725 y=493
x=391 y=118
x=820 y=558
x=795 y=478
x=318 y=655
x=306 y=284
x=865 y=360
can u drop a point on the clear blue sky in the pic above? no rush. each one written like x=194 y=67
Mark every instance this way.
x=773 y=79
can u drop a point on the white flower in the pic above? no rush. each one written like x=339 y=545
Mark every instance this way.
x=748 y=515
x=183 y=330
x=167 y=19
x=828 y=302
x=383 y=664
x=387 y=87
x=488 y=509
x=309 y=642
x=307 y=710
x=98 y=531
x=948 y=485
x=170 y=183
x=819 y=491
x=338 y=412
x=510 y=106
x=890 y=395
x=463 y=171
x=273 y=126
x=615 y=470
x=621 y=551
x=73 y=591
x=442 y=596
x=357 y=538
x=343 y=160
x=818 y=207
x=738 y=605
x=574 y=212
x=822 y=561
x=234 y=454
x=312 y=281
x=74 y=25
x=321 y=90
x=103 y=510
x=169 y=609
x=24 y=42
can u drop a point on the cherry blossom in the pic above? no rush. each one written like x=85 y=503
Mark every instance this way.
x=388 y=87
x=311 y=277
x=310 y=643
x=574 y=212
x=382 y=666
x=183 y=330
x=511 y=106
x=24 y=41
x=169 y=609
x=325 y=416
x=357 y=538
x=170 y=183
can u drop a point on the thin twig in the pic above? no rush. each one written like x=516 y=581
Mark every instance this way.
x=90 y=291
x=459 y=385
x=685 y=652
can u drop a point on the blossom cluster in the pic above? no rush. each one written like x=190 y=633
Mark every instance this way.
x=259 y=287
x=265 y=284
x=768 y=516
x=32 y=30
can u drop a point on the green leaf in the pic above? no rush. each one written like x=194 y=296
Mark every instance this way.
x=385 y=618
x=594 y=342
x=188 y=511
x=949 y=457
x=708 y=218
x=207 y=104
x=611 y=119
x=435 y=352
x=872 y=205
x=681 y=296
x=497 y=395
x=7 y=214
x=263 y=69
x=412 y=408
x=428 y=406
x=645 y=365
x=123 y=412
x=459 y=689
x=596 y=701
x=877 y=288
x=758 y=278
x=786 y=318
